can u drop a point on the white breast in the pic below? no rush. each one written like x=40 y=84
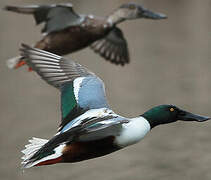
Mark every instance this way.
x=133 y=132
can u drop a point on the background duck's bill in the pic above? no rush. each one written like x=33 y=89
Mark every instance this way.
x=152 y=15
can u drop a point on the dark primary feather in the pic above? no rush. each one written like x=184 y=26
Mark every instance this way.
x=54 y=69
x=30 y=9
x=113 y=47
x=61 y=17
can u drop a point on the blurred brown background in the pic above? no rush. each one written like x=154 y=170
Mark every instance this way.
x=170 y=63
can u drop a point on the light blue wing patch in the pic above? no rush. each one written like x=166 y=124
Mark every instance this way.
x=92 y=94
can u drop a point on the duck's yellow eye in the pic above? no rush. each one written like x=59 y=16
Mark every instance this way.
x=171 y=109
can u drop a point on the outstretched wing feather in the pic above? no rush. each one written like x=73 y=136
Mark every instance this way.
x=47 y=65
x=56 y=16
x=61 y=73
x=113 y=47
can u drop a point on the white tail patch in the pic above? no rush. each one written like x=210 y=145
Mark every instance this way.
x=32 y=148
x=11 y=63
x=58 y=152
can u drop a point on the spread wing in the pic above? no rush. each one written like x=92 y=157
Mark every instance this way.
x=56 y=16
x=113 y=47
x=81 y=90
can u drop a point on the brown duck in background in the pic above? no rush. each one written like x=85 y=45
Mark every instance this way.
x=66 y=31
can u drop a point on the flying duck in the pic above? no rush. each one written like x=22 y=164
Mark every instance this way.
x=66 y=31
x=89 y=128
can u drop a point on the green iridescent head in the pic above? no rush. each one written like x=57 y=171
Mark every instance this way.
x=164 y=114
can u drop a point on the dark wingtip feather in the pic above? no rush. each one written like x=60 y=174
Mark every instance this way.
x=25 y=46
x=23 y=50
x=8 y=8
x=11 y=8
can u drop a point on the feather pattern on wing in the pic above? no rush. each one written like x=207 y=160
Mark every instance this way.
x=55 y=16
x=54 y=69
x=81 y=90
x=113 y=47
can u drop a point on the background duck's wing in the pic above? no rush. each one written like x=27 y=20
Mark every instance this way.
x=80 y=89
x=56 y=16
x=113 y=47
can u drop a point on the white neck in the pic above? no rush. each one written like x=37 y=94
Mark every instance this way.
x=116 y=17
x=133 y=132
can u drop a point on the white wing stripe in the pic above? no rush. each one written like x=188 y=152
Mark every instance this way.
x=47 y=70
x=53 y=74
x=93 y=113
x=44 y=58
x=46 y=66
x=77 y=84
x=42 y=53
x=44 y=62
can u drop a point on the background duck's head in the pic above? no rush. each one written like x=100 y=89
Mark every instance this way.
x=134 y=11
x=129 y=11
x=164 y=114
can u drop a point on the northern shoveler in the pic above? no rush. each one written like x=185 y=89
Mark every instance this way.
x=67 y=31
x=89 y=128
